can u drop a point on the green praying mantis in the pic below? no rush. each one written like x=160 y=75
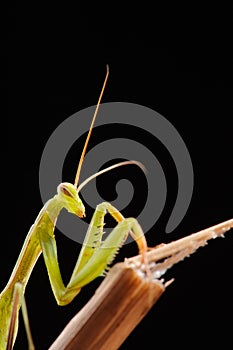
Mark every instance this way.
x=95 y=255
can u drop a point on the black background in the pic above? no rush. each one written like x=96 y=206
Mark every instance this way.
x=173 y=59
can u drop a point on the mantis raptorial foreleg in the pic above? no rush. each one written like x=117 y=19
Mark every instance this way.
x=94 y=234
x=95 y=255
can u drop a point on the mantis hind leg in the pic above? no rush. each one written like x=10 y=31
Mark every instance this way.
x=19 y=299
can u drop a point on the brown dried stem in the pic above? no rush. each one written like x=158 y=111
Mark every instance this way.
x=127 y=294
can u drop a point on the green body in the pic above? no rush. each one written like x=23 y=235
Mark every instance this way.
x=93 y=260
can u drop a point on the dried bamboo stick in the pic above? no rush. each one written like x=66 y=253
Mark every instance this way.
x=127 y=294
x=192 y=242
x=118 y=305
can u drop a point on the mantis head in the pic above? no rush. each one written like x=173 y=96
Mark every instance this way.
x=68 y=195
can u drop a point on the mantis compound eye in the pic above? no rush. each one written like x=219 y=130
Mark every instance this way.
x=65 y=191
x=68 y=190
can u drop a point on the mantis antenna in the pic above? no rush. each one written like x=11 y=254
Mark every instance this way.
x=86 y=144
x=90 y=130
x=127 y=162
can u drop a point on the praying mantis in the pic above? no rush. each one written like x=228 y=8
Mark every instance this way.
x=95 y=255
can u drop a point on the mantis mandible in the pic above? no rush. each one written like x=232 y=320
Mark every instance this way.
x=95 y=255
